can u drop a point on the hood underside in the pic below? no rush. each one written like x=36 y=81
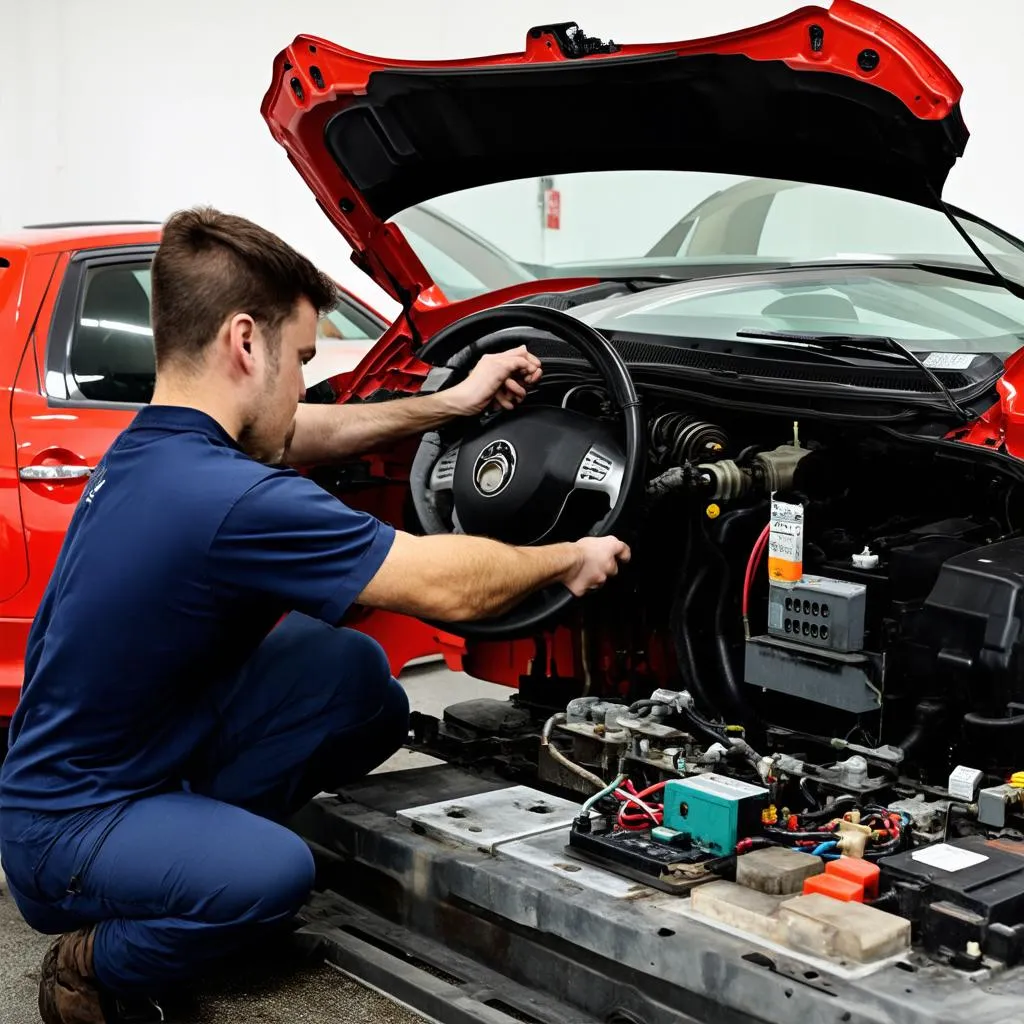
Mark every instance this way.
x=841 y=97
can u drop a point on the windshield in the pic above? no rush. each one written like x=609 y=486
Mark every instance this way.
x=667 y=223
x=925 y=310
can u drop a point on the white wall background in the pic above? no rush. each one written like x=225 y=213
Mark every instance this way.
x=133 y=108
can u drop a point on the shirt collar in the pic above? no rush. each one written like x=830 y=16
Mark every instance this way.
x=181 y=417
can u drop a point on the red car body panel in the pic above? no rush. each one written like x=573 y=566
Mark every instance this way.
x=34 y=516
x=314 y=78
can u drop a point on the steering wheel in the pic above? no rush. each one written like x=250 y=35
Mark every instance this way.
x=511 y=474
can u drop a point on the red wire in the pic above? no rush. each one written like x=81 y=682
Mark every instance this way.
x=752 y=562
x=637 y=820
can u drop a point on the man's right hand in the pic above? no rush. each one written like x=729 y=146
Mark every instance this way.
x=598 y=560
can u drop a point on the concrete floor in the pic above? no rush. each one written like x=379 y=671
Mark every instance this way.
x=272 y=992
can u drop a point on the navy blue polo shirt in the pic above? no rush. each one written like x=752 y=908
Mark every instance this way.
x=182 y=554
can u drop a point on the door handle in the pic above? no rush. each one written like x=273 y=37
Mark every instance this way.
x=53 y=474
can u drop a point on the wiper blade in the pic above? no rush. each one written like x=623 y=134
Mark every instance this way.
x=863 y=343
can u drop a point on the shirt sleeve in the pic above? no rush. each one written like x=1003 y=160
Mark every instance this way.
x=287 y=539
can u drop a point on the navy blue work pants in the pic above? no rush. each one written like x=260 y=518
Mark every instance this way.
x=178 y=880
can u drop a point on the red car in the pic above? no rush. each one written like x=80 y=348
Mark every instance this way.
x=782 y=367
x=76 y=361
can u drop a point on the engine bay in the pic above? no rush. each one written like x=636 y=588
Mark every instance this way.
x=806 y=687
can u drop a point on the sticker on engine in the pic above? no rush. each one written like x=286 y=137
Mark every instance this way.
x=775 y=615
x=948 y=360
x=948 y=858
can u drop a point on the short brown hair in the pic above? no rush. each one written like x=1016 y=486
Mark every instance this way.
x=212 y=265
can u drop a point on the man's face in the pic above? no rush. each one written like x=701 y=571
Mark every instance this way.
x=272 y=417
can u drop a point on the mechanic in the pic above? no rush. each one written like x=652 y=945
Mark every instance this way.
x=188 y=686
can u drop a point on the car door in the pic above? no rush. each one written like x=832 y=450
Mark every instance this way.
x=91 y=367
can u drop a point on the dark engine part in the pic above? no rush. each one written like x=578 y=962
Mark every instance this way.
x=677 y=438
x=767 y=472
x=972 y=621
x=966 y=895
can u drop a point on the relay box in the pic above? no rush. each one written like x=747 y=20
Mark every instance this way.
x=714 y=812
x=818 y=611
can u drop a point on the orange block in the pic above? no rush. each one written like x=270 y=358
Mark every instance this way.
x=862 y=872
x=836 y=887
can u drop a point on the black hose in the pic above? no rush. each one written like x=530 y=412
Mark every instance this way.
x=996 y=725
x=681 y=640
x=927 y=716
x=724 y=625
x=710 y=730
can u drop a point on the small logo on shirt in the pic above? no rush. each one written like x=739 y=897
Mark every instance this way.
x=99 y=480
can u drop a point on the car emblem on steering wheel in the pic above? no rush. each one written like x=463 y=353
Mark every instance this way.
x=494 y=468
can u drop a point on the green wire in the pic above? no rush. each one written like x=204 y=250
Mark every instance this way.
x=604 y=792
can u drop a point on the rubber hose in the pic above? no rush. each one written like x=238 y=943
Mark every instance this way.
x=998 y=725
x=727 y=672
x=683 y=644
x=926 y=715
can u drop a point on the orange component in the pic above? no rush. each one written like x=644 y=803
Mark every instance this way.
x=860 y=872
x=836 y=887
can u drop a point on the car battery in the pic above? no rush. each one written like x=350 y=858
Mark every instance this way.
x=818 y=611
x=714 y=811
x=962 y=894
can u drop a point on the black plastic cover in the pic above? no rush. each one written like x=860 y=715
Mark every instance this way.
x=972 y=619
x=982 y=903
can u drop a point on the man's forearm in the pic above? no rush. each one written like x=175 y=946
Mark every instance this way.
x=459 y=578
x=326 y=433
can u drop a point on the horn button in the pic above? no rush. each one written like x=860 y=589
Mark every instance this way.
x=513 y=478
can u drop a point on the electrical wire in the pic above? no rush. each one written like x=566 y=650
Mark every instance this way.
x=748 y=579
x=633 y=797
x=545 y=742
x=607 y=791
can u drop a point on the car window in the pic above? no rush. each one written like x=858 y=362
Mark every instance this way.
x=814 y=223
x=111 y=357
x=923 y=309
x=346 y=322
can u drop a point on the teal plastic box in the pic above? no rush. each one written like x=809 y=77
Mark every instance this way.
x=714 y=811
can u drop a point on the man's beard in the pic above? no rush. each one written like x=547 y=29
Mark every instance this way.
x=264 y=449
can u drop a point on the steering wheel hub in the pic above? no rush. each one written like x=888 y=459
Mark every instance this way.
x=494 y=468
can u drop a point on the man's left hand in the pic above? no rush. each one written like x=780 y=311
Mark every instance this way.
x=500 y=377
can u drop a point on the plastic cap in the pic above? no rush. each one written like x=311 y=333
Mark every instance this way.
x=836 y=887
x=865 y=560
x=860 y=872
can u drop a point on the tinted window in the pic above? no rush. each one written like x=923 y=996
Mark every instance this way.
x=112 y=356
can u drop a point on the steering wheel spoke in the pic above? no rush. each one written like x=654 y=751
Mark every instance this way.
x=601 y=470
x=442 y=476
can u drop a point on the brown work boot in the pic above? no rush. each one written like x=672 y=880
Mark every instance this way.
x=68 y=993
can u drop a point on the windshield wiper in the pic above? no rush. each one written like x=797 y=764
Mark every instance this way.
x=861 y=343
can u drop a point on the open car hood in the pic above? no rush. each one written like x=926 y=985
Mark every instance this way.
x=842 y=97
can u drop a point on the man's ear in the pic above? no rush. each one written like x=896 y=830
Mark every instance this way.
x=241 y=332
